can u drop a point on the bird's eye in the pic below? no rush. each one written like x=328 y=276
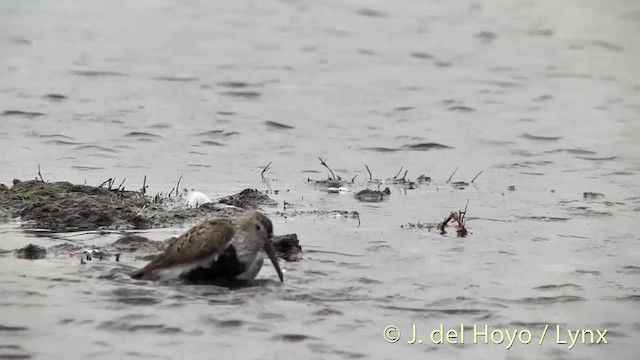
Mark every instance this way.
x=258 y=227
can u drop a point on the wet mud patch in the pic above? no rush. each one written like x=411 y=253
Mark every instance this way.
x=327 y=183
x=62 y=206
x=248 y=199
x=368 y=195
x=31 y=252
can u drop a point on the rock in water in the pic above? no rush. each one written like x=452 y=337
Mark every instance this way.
x=31 y=252
x=372 y=195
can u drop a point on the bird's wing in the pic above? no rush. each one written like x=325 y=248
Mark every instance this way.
x=200 y=242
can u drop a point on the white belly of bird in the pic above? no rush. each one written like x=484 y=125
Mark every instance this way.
x=175 y=272
x=253 y=269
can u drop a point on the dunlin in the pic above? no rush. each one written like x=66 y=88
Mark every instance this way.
x=218 y=250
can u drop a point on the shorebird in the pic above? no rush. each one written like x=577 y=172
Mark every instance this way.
x=196 y=198
x=216 y=251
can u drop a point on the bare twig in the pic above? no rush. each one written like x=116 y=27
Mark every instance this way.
x=369 y=171
x=171 y=192
x=122 y=183
x=404 y=177
x=39 y=174
x=358 y=217
x=399 y=171
x=475 y=177
x=442 y=225
x=323 y=162
x=464 y=212
x=458 y=217
x=354 y=178
x=453 y=173
x=105 y=182
x=178 y=185
x=462 y=229
x=265 y=169
x=144 y=185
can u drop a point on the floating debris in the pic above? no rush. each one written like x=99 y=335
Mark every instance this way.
x=341 y=190
x=592 y=195
x=368 y=195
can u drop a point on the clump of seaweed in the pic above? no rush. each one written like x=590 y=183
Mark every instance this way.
x=458 y=218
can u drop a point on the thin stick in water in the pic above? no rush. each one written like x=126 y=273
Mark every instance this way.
x=369 y=171
x=323 y=162
x=39 y=174
x=265 y=169
x=178 y=185
x=105 y=182
x=144 y=185
x=475 y=177
x=453 y=173
x=399 y=171
x=464 y=213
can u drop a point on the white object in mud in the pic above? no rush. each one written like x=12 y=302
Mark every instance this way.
x=196 y=198
x=340 y=190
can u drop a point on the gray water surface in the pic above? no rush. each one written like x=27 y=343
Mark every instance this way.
x=540 y=95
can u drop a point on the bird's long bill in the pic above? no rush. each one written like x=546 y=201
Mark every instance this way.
x=272 y=256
